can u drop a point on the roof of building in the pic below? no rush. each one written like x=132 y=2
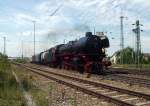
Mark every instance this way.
x=146 y=54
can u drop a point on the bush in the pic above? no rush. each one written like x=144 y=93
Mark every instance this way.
x=10 y=95
x=4 y=63
x=129 y=56
x=27 y=85
x=20 y=60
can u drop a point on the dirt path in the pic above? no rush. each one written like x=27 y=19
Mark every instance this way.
x=27 y=96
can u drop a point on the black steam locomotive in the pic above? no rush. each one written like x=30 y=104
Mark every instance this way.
x=86 y=54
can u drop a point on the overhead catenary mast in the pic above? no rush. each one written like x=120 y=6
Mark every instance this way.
x=121 y=40
x=34 y=35
x=4 y=45
x=94 y=30
x=22 y=48
x=137 y=31
x=122 y=35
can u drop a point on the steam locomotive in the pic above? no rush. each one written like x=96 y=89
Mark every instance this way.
x=85 y=55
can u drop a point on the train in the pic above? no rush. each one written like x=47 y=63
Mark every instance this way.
x=86 y=54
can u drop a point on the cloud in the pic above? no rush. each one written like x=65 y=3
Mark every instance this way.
x=47 y=7
x=43 y=7
x=2 y=21
x=24 y=19
x=2 y=33
x=75 y=17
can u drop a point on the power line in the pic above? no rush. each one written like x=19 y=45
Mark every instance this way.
x=55 y=11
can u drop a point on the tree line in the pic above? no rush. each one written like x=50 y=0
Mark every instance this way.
x=129 y=56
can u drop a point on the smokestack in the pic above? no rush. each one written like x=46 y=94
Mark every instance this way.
x=88 y=34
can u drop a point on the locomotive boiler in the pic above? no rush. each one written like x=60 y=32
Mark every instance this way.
x=87 y=45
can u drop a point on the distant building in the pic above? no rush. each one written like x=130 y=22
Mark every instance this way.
x=146 y=56
x=113 y=58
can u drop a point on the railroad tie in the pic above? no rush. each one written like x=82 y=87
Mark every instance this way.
x=77 y=92
x=99 y=90
x=90 y=87
x=87 y=85
x=94 y=98
x=129 y=99
x=142 y=103
x=109 y=93
x=119 y=95
x=86 y=95
x=93 y=88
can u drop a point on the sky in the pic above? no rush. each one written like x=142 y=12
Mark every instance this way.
x=59 y=21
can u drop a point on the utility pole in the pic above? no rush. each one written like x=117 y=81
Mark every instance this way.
x=121 y=40
x=4 y=45
x=94 y=30
x=21 y=45
x=137 y=31
x=34 y=34
x=64 y=41
x=22 y=48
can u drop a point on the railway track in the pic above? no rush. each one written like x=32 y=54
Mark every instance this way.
x=131 y=71
x=112 y=94
x=130 y=79
x=130 y=76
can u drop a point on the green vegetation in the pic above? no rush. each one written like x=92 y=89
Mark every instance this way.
x=129 y=57
x=4 y=63
x=22 y=60
x=39 y=96
x=10 y=95
x=132 y=66
x=29 y=84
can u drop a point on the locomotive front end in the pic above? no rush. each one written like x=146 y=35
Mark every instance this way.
x=96 y=46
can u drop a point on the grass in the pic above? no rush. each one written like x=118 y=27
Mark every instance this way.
x=38 y=95
x=132 y=66
x=10 y=95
